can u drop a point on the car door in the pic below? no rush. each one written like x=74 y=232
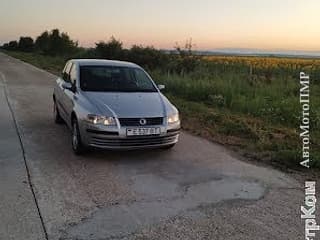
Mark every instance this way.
x=69 y=94
x=61 y=92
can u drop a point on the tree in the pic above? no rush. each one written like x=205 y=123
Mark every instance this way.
x=148 y=57
x=13 y=45
x=56 y=43
x=5 y=46
x=110 y=50
x=42 y=42
x=26 y=44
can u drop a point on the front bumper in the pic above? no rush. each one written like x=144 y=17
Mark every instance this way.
x=109 y=138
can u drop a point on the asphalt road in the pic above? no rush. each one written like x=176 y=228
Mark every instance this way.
x=198 y=190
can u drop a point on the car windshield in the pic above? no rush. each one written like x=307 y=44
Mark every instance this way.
x=114 y=79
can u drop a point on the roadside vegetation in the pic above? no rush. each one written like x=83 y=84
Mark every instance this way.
x=250 y=104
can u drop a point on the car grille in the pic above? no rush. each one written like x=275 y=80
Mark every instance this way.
x=134 y=141
x=136 y=121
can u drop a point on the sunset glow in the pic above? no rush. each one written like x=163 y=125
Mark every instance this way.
x=265 y=24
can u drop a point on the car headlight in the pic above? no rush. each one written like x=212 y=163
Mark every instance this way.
x=174 y=119
x=101 y=120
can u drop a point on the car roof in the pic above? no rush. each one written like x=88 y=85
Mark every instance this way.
x=103 y=62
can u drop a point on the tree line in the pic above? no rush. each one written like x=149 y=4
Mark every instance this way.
x=53 y=43
x=59 y=44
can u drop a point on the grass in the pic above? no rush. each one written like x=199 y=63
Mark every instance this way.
x=51 y=64
x=252 y=137
x=250 y=104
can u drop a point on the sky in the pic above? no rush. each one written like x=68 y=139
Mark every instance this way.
x=212 y=24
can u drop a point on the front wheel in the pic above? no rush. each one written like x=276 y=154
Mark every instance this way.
x=77 y=145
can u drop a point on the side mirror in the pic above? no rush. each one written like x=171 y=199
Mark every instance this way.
x=67 y=85
x=161 y=87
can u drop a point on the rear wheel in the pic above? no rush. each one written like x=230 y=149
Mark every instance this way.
x=56 y=115
x=77 y=145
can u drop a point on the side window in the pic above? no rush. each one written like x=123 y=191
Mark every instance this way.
x=66 y=71
x=73 y=74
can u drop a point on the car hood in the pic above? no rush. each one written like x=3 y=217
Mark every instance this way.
x=129 y=105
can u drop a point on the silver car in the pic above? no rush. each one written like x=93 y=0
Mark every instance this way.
x=113 y=105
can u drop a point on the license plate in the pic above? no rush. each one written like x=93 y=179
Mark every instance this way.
x=142 y=131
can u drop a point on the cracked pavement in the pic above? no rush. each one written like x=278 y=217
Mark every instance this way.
x=197 y=190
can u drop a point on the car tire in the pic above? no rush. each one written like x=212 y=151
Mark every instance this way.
x=56 y=115
x=77 y=145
